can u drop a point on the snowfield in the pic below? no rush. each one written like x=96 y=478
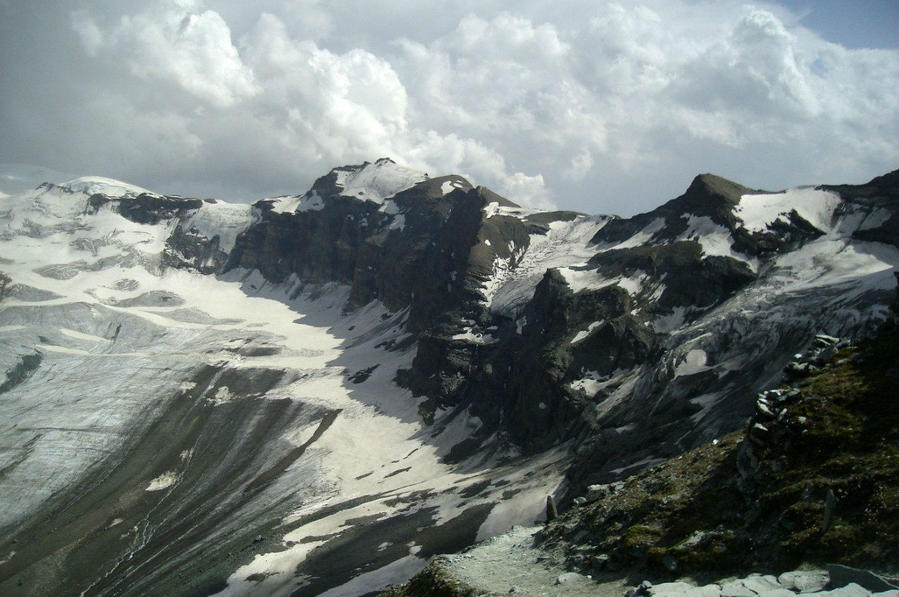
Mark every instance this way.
x=124 y=345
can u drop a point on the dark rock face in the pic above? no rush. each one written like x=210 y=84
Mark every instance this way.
x=879 y=195
x=424 y=264
x=593 y=363
x=146 y=208
x=187 y=249
x=520 y=373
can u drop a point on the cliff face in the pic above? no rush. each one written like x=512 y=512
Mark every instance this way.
x=622 y=332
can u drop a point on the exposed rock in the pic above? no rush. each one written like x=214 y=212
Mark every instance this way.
x=804 y=581
x=841 y=576
x=551 y=512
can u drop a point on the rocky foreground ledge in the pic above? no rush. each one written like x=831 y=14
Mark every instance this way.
x=813 y=479
x=510 y=564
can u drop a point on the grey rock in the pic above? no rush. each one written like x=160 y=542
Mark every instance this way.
x=551 y=512
x=764 y=410
x=597 y=492
x=736 y=588
x=845 y=575
x=600 y=561
x=830 y=502
x=670 y=563
x=758 y=583
x=804 y=581
x=850 y=590
x=682 y=589
x=824 y=341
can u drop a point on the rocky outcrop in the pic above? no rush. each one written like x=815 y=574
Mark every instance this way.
x=146 y=208
x=877 y=200
x=810 y=480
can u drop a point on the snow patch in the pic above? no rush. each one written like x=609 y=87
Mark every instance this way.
x=311 y=201
x=693 y=362
x=451 y=185
x=225 y=220
x=591 y=382
x=579 y=280
x=468 y=334
x=163 y=481
x=565 y=244
x=581 y=335
x=714 y=239
x=665 y=324
x=396 y=572
x=90 y=185
x=642 y=237
x=398 y=223
x=378 y=181
x=759 y=211
x=491 y=209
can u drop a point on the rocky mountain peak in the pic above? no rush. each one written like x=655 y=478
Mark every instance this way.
x=369 y=181
x=711 y=186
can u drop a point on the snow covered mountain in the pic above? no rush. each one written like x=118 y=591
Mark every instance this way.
x=313 y=394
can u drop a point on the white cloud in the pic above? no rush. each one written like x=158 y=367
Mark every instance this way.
x=178 y=41
x=598 y=106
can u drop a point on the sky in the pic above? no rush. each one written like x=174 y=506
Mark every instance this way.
x=590 y=105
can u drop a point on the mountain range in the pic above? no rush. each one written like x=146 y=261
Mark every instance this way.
x=315 y=393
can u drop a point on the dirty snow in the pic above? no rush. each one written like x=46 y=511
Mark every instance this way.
x=565 y=244
x=693 y=362
x=225 y=220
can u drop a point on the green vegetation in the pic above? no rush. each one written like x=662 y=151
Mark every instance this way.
x=821 y=485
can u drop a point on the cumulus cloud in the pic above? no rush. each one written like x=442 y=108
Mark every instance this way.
x=177 y=41
x=597 y=106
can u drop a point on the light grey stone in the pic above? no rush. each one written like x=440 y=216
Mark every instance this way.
x=804 y=581
x=760 y=584
x=567 y=577
x=682 y=589
x=736 y=588
x=850 y=590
